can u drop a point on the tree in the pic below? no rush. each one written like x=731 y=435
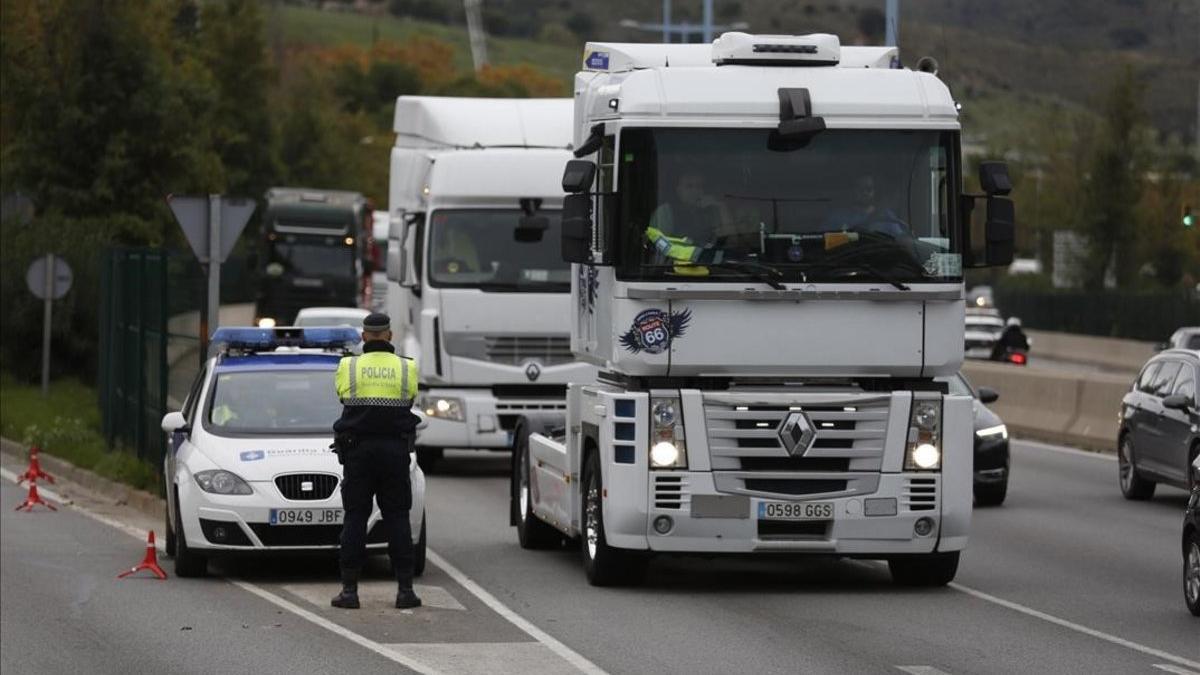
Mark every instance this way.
x=1114 y=185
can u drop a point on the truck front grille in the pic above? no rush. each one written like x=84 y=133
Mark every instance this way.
x=517 y=349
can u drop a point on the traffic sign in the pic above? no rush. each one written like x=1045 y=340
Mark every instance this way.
x=193 y=216
x=55 y=285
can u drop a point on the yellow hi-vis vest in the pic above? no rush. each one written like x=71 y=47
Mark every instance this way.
x=377 y=378
x=682 y=252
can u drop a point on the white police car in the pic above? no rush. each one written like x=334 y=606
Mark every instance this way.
x=248 y=466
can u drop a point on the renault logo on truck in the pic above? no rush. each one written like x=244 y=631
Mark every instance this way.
x=533 y=371
x=796 y=434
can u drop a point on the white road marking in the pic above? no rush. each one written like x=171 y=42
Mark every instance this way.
x=575 y=658
x=1066 y=450
x=1107 y=637
x=922 y=670
x=377 y=594
x=487 y=658
x=1175 y=669
x=558 y=648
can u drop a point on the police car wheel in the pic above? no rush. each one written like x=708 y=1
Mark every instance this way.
x=419 y=551
x=188 y=563
x=532 y=532
x=930 y=569
x=169 y=534
x=604 y=565
x=429 y=458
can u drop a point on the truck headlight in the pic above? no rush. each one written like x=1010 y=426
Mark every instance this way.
x=924 y=452
x=442 y=407
x=667 y=447
x=221 y=482
x=991 y=432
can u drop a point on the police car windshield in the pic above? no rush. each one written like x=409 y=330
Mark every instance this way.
x=477 y=248
x=271 y=403
x=849 y=205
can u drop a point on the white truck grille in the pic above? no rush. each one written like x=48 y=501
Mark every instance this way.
x=517 y=349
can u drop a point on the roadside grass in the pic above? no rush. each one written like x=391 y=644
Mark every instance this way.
x=67 y=425
x=309 y=26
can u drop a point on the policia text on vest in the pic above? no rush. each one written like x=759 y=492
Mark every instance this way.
x=373 y=439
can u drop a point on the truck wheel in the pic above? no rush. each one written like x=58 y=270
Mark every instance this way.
x=531 y=531
x=930 y=569
x=991 y=495
x=1133 y=486
x=188 y=563
x=419 y=551
x=429 y=458
x=604 y=565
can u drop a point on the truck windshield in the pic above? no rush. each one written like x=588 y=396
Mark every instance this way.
x=745 y=204
x=309 y=256
x=477 y=248
x=273 y=402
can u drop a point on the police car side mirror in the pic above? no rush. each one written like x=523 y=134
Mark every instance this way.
x=988 y=395
x=174 y=422
x=1177 y=402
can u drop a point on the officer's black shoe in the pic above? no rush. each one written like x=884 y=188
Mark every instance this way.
x=407 y=599
x=347 y=599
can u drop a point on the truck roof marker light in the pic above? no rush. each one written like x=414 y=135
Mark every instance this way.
x=742 y=408
x=850 y=409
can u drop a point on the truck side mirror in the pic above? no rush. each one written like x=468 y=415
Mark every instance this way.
x=577 y=227
x=999 y=230
x=987 y=395
x=578 y=176
x=395 y=264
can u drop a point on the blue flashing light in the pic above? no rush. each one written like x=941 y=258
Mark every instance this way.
x=268 y=339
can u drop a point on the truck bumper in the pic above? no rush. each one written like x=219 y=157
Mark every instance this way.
x=488 y=421
x=706 y=521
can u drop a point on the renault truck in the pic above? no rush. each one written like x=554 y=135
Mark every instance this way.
x=477 y=288
x=767 y=237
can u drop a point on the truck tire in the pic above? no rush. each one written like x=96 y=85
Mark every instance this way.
x=429 y=458
x=532 y=533
x=188 y=563
x=1133 y=485
x=603 y=564
x=991 y=495
x=419 y=551
x=930 y=569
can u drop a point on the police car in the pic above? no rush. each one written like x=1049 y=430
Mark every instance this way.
x=248 y=466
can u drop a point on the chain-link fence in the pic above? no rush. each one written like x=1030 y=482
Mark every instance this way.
x=1124 y=314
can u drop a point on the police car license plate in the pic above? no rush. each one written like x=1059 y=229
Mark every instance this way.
x=795 y=510
x=307 y=516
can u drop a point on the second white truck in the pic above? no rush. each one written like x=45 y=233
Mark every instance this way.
x=477 y=288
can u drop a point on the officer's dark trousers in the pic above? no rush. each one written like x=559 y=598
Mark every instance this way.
x=378 y=469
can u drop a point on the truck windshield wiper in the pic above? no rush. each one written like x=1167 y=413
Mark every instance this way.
x=853 y=265
x=758 y=271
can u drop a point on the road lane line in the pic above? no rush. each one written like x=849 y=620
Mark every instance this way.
x=1175 y=669
x=573 y=657
x=1065 y=450
x=312 y=617
x=922 y=670
x=1108 y=637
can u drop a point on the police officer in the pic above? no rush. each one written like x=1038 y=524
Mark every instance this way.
x=374 y=437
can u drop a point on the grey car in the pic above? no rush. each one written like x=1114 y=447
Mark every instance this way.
x=1159 y=430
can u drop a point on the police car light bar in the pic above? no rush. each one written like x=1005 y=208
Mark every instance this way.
x=269 y=339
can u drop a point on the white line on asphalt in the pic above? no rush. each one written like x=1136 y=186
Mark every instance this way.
x=575 y=658
x=1066 y=450
x=1129 y=644
x=922 y=670
x=1175 y=669
x=391 y=655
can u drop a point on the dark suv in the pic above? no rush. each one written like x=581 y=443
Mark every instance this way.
x=1159 y=430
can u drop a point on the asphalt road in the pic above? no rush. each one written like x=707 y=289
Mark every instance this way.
x=1066 y=577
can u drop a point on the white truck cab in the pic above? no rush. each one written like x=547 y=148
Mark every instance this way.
x=477 y=287
x=767 y=237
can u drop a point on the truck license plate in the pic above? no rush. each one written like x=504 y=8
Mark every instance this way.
x=795 y=510
x=306 y=516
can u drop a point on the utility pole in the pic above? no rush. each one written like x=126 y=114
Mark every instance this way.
x=893 y=23
x=666 y=28
x=708 y=21
x=706 y=30
x=478 y=37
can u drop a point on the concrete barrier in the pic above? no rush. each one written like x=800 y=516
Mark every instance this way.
x=1109 y=354
x=1061 y=407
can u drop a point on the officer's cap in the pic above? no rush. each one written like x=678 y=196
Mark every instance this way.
x=377 y=322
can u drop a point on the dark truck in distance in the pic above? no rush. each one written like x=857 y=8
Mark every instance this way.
x=315 y=250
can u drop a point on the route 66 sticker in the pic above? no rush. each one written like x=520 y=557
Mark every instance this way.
x=653 y=330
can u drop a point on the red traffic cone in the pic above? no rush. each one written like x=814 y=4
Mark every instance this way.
x=150 y=562
x=34 y=472
x=34 y=498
